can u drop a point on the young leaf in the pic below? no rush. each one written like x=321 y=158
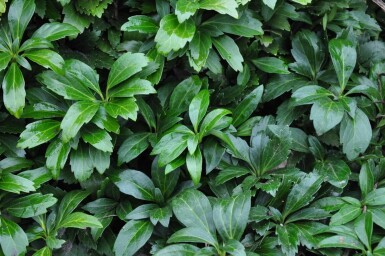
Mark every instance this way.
x=77 y=115
x=14 y=91
x=134 y=183
x=13 y=240
x=98 y=138
x=69 y=203
x=198 y=108
x=194 y=165
x=185 y=9
x=271 y=65
x=222 y=6
x=212 y=120
x=231 y=216
x=344 y=57
x=126 y=66
x=229 y=51
x=366 y=179
x=132 y=237
x=19 y=14
x=355 y=134
x=173 y=35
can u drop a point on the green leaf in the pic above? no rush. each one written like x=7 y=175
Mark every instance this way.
x=235 y=248
x=229 y=51
x=355 y=134
x=303 y=2
x=199 y=50
x=288 y=238
x=336 y=172
x=77 y=115
x=183 y=94
x=132 y=237
x=134 y=183
x=247 y=106
x=64 y=87
x=11 y=164
x=13 y=240
x=198 y=108
x=302 y=193
x=178 y=250
x=19 y=14
x=270 y=3
x=57 y=154
x=363 y=226
x=42 y=110
x=83 y=74
x=133 y=87
x=375 y=197
x=173 y=35
x=309 y=94
x=346 y=214
x=309 y=54
x=192 y=235
x=80 y=220
x=5 y=58
x=31 y=205
x=213 y=153
x=271 y=65
x=132 y=147
x=141 y=212
x=126 y=108
x=38 y=132
x=46 y=58
x=170 y=147
x=14 y=91
x=105 y=121
x=185 y=9
x=344 y=57
x=247 y=25
x=326 y=114
x=366 y=179
x=194 y=165
x=222 y=6
x=140 y=23
x=68 y=204
x=231 y=216
x=98 y=138
x=126 y=66
x=161 y=215
x=166 y=182
x=15 y=184
x=341 y=241
x=193 y=209
x=81 y=162
x=45 y=251
x=212 y=121
x=54 y=31
x=230 y=173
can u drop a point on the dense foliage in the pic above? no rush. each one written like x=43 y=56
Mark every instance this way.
x=192 y=127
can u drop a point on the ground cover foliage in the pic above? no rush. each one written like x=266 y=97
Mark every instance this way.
x=192 y=127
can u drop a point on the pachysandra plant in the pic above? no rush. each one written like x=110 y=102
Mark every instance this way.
x=192 y=127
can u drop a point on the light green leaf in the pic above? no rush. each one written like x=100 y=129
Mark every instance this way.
x=178 y=250
x=132 y=237
x=185 y=9
x=194 y=165
x=140 y=23
x=68 y=204
x=271 y=65
x=346 y=214
x=231 y=216
x=344 y=57
x=13 y=240
x=126 y=66
x=38 y=132
x=198 y=108
x=303 y=2
x=81 y=162
x=46 y=58
x=80 y=220
x=363 y=226
x=5 y=58
x=14 y=91
x=270 y=3
x=326 y=114
x=355 y=134
x=341 y=241
x=15 y=184
x=56 y=155
x=126 y=108
x=170 y=147
x=77 y=115
x=54 y=31
x=376 y=197
x=45 y=251
x=199 y=50
x=212 y=120
x=98 y=138
x=366 y=178
x=222 y=6
x=132 y=87
x=229 y=51
x=173 y=35
x=192 y=235
x=19 y=14
x=31 y=205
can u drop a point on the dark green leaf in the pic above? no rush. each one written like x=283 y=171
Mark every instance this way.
x=132 y=147
x=46 y=58
x=229 y=51
x=244 y=110
x=31 y=205
x=55 y=31
x=13 y=240
x=271 y=65
x=38 y=132
x=19 y=14
x=13 y=90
